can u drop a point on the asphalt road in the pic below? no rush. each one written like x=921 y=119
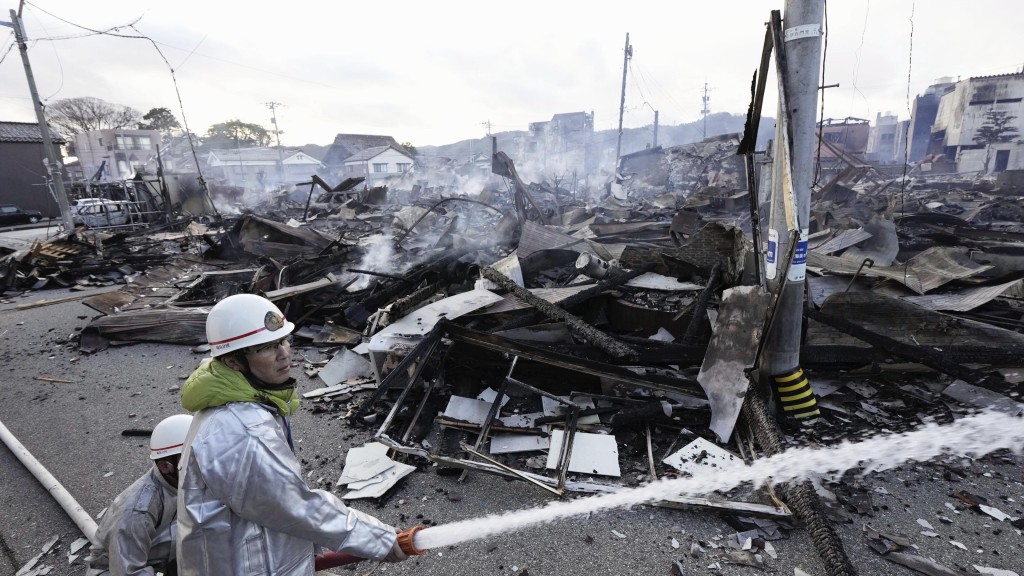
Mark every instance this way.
x=75 y=430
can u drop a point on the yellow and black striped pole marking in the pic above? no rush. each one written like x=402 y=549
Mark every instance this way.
x=795 y=395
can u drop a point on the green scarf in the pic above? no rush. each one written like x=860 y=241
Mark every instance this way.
x=215 y=384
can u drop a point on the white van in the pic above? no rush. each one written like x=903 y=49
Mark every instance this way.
x=106 y=214
x=79 y=204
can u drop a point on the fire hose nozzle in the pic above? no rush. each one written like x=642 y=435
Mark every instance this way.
x=406 y=541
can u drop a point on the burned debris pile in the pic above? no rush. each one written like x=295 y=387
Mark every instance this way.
x=582 y=346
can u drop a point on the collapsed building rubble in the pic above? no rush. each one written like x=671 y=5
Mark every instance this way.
x=586 y=348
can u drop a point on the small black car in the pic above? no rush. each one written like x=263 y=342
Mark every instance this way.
x=11 y=214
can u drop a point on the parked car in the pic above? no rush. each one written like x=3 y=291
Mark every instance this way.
x=106 y=214
x=11 y=214
x=77 y=205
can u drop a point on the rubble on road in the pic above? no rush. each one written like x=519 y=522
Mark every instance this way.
x=590 y=346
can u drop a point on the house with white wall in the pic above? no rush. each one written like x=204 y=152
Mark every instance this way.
x=261 y=168
x=378 y=164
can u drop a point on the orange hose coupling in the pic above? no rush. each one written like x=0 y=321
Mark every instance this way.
x=405 y=541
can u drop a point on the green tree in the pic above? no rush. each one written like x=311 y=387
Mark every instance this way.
x=409 y=147
x=85 y=113
x=160 y=119
x=236 y=133
x=996 y=129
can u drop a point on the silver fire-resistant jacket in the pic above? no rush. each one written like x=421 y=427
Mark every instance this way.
x=137 y=531
x=244 y=508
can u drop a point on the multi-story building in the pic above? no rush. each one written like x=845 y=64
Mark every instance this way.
x=114 y=154
x=887 y=139
x=980 y=124
x=922 y=117
x=562 y=145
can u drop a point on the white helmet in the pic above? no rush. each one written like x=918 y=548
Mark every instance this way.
x=169 y=436
x=244 y=320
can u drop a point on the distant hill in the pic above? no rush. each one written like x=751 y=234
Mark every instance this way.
x=633 y=139
x=315 y=150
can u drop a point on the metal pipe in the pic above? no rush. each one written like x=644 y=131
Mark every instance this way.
x=80 y=517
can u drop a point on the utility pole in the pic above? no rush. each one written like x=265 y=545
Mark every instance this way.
x=487 y=124
x=277 y=133
x=627 y=53
x=802 y=30
x=704 y=109
x=53 y=166
x=655 y=144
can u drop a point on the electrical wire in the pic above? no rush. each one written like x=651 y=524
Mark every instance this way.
x=7 y=50
x=60 y=65
x=181 y=105
x=665 y=93
x=906 y=141
x=856 y=67
x=821 y=88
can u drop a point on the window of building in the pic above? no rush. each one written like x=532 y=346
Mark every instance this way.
x=380 y=168
x=404 y=167
x=833 y=137
x=144 y=143
x=121 y=143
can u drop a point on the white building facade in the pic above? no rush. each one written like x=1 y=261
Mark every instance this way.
x=378 y=164
x=981 y=122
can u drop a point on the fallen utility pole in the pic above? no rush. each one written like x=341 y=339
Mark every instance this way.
x=53 y=167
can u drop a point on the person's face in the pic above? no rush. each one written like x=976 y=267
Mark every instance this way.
x=271 y=362
x=169 y=468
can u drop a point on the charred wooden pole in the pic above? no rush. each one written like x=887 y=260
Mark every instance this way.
x=798 y=64
x=700 y=306
x=599 y=339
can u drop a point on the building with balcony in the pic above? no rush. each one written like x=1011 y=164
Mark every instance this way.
x=114 y=154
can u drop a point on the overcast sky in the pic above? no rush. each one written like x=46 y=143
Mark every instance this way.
x=434 y=73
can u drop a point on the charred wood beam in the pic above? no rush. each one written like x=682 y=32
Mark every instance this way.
x=658 y=352
x=937 y=360
x=578 y=298
x=594 y=368
x=701 y=305
x=407 y=304
x=599 y=339
x=379 y=274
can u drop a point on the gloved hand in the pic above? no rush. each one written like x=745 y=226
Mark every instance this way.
x=396 y=554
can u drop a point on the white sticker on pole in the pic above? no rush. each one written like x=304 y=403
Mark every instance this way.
x=798 y=268
x=772 y=257
x=798 y=32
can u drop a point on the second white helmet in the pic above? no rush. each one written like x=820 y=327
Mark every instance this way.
x=169 y=436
